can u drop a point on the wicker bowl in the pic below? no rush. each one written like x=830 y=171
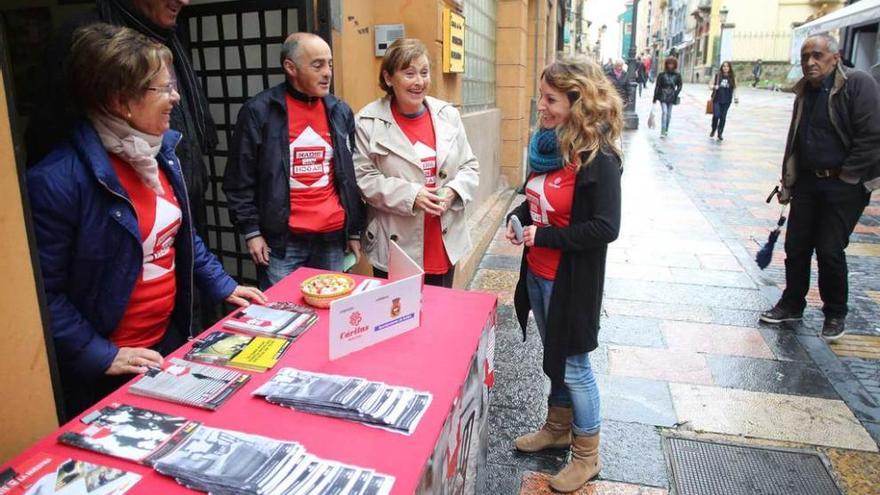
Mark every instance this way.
x=323 y=300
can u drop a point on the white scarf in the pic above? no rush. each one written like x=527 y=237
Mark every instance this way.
x=135 y=147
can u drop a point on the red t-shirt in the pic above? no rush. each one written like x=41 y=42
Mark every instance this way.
x=550 y=197
x=314 y=203
x=149 y=309
x=420 y=132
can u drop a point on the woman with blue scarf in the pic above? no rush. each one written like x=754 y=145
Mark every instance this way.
x=571 y=214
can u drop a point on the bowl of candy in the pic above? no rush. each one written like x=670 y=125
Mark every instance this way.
x=320 y=290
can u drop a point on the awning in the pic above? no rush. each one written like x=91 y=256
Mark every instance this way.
x=862 y=12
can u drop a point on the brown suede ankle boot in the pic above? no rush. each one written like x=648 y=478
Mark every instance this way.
x=555 y=434
x=583 y=467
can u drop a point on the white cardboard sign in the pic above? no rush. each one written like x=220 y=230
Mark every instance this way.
x=367 y=318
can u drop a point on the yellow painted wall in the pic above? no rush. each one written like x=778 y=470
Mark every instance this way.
x=763 y=27
x=27 y=411
x=357 y=74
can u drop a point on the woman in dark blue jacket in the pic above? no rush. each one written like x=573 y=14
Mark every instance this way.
x=117 y=251
x=723 y=94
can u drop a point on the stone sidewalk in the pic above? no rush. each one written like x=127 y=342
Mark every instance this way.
x=681 y=354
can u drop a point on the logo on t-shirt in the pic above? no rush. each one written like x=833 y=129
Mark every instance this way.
x=157 y=246
x=539 y=207
x=428 y=157
x=310 y=160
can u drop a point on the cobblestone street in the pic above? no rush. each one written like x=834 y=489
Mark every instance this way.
x=681 y=353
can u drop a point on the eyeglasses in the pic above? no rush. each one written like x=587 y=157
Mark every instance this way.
x=165 y=89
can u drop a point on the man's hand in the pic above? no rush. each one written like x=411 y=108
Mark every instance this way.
x=529 y=235
x=429 y=201
x=783 y=196
x=354 y=247
x=259 y=250
x=244 y=296
x=131 y=360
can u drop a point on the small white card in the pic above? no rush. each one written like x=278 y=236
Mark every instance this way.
x=381 y=313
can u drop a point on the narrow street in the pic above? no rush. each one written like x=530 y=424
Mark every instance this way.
x=682 y=358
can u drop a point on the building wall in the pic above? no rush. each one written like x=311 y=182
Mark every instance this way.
x=357 y=76
x=768 y=36
x=27 y=410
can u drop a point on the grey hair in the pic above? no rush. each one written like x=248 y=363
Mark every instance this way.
x=292 y=46
x=290 y=50
x=830 y=41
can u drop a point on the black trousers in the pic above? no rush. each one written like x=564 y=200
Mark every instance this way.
x=719 y=116
x=441 y=280
x=822 y=216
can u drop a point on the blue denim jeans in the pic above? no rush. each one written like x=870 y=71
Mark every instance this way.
x=313 y=253
x=665 y=116
x=580 y=391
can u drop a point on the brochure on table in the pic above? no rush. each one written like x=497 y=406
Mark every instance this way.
x=367 y=318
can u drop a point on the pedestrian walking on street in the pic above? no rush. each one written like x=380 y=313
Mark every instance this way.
x=641 y=75
x=723 y=94
x=757 y=70
x=571 y=214
x=666 y=91
x=619 y=77
x=830 y=167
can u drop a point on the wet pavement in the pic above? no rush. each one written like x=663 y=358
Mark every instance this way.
x=681 y=351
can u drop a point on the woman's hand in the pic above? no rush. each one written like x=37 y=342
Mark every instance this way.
x=511 y=235
x=449 y=196
x=131 y=360
x=529 y=235
x=244 y=295
x=429 y=201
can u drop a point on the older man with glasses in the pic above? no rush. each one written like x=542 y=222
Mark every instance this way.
x=157 y=19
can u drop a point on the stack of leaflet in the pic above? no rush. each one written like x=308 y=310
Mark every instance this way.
x=222 y=462
x=276 y=319
x=395 y=408
x=225 y=462
x=189 y=383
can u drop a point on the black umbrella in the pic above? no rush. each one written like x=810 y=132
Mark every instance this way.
x=766 y=253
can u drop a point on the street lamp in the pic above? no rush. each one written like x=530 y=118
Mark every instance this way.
x=630 y=117
x=724 y=48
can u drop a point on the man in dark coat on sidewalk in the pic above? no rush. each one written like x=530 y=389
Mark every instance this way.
x=830 y=167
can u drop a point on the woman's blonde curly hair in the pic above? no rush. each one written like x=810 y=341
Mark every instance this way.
x=596 y=120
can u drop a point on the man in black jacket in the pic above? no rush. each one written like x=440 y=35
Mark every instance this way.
x=830 y=167
x=290 y=179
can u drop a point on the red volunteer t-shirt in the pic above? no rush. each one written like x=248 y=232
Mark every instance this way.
x=314 y=203
x=550 y=197
x=149 y=310
x=420 y=132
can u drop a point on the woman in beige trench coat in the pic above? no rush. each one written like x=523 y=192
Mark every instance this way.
x=415 y=169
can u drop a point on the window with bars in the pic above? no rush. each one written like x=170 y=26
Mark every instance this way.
x=235 y=47
x=478 y=85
